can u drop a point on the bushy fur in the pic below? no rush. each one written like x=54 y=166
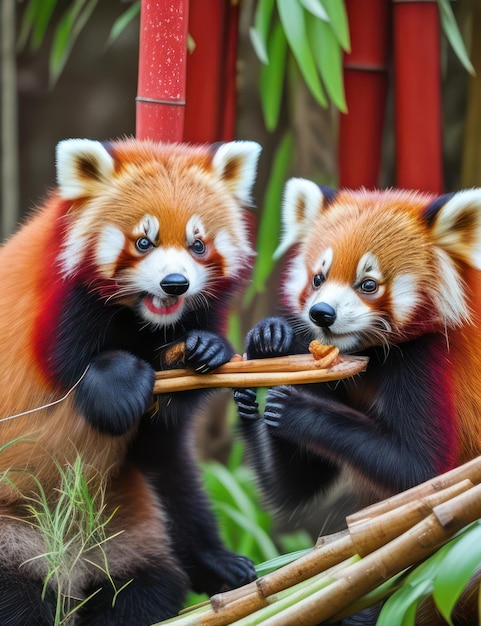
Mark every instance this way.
x=138 y=248
x=393 y=275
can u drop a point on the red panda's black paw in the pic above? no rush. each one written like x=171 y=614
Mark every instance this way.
x=246 y=401
x=277 y=402
x=269 y=338
x=221 y=570
x=115 y=391
x=206 y=351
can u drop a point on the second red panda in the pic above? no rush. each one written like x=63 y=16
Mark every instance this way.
x=394 y=275
x=139 y=247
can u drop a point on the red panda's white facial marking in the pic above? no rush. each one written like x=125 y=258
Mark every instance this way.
x=110 y=245
x=168 y=279
x=381 y=267
x=155 y=226
x=405 y=298
x=164 y=280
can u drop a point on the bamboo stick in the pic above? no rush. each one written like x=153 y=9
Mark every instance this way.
x=361 y=538
x=411 y=547
x=369 y=534
x=470 y=470
x=182 y=380
x=290 y=363
x=406 y=532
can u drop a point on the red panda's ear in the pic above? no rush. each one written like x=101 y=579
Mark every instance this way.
x=82 y=164
x=302 y=202
x=456 y=226
x=235 y=164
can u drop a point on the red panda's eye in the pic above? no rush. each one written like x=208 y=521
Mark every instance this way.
x=318 y=280
x=198 y=247
x=369 y=285
x=143 y=244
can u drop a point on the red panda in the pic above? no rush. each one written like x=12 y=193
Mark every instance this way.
x=139 y=247
x=394 y=275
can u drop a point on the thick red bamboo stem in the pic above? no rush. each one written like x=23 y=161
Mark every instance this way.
x=365 y=81
x=162 y=70
x=231 y=39
x=417 y=95
x=213 y=26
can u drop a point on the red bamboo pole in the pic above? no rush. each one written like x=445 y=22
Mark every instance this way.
x=365 y=82
x=231 y=40
x=162 y=68
x=211 y=71
x=417 y=95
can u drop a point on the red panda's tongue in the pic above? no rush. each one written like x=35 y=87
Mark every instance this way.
x=161 y=306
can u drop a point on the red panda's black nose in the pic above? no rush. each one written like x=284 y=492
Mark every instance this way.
x=174 y=284
x=322 y=314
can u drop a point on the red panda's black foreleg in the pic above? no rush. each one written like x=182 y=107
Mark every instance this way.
x=115 y=391
x=399 y=435
x=93 y=344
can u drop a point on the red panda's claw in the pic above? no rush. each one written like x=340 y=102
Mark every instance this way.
x=206 y=351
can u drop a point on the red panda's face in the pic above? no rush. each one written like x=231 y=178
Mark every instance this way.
x=160 y=228
x=376 y=268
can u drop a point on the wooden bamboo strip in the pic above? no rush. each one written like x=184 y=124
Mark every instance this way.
x=416 y=544
x=361 y=538
x=372 y=533
x=344 y=368
x=470 y=470
x=291 y=363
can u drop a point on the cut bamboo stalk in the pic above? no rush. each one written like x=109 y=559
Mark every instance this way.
x=234 y=612
x=364 y=537
x=182 y=380
x=411 y=547
x=470 y=471
x=372 y=533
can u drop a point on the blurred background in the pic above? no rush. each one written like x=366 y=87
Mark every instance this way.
x=362 y=92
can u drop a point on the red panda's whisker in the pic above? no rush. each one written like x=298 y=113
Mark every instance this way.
x=49 y=404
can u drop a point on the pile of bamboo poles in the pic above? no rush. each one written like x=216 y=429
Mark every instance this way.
x=379 y=542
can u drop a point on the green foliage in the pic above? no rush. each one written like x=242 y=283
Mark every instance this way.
x=244 y=525
x=315 y=33
x=73 y=525
x=443 y=576
x=451 y=31
x=38 y=15
x=269 y=225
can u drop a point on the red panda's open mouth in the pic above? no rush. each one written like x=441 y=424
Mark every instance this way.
x=162 y=306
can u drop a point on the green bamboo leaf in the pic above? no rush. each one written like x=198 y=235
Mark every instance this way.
x=451 y=30
x=336 y=11
x=231 y=487
x=41 y=23
x=263 y=541
x=66 y=33
x=29 y=17
x=269 y=226
x=123 y=21
x=280 y=561
x=260 y=31
x=316 y=8
x=400 y=608
x=328 y=57
x=459 y=564
x=292 y=17
x=272 y=77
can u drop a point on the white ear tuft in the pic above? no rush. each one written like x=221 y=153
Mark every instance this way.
x=457 y=227
x=235 y=163
x=81 y=165
x=302 y=203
